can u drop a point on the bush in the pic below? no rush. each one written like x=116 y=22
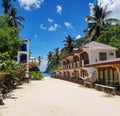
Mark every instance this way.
x=36 y=75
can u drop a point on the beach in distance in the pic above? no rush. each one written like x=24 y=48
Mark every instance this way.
x=46 y=74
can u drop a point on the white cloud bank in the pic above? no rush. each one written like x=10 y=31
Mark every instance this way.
x=27 y=4
x=53 y=28
x=59 y=9
x=68 y=25
x=113 y=5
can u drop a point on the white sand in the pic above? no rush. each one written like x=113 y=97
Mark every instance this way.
x=53 y=97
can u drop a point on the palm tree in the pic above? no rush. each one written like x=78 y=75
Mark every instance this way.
x=69 y=44
x=97 y=20
x=7 y=6
x=50 y=57
x=14 y=20
x=57 y=57
x=39 y=60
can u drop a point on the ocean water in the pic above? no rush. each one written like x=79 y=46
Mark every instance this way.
x=46 y=74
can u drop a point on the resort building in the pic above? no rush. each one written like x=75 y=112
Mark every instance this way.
x=94 y=62
x=24 y=53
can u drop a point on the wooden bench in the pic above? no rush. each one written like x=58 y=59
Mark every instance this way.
x=88 y=84
x=105 y=88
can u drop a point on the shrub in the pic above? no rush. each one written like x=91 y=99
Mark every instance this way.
x=36 y=75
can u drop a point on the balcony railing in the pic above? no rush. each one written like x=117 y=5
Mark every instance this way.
x=77 y=64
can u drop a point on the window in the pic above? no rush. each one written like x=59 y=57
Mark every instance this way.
x=102 y=56
x=101 y=76
x=116 y=81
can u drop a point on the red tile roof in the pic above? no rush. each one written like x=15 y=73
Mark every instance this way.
x=97 y=45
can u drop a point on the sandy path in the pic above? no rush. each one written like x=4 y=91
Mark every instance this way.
x=53 y=97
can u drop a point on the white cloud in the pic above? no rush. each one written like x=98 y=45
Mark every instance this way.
x=78 y=36
x=43 y=27
x=50 y=20
x=68 y=25
x=113 y=5
x=53 y=28
x=27 y=4
x=59 y=9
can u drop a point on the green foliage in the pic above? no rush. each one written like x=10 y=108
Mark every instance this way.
x=97 y=20
x=2 y=76
x=63 y=53
x=10 y=43
x=55 y=67
x=36 y=75
x=111 y=36
x=53 y=59
x=79 y=42
x=14 y=20
x=39 y=60
x=34 y=68
x=10 y=71
x=69 y=44
x=5 y=61
x=9 y=38
x=16 y=72
x=19 y=70
x=11 y=11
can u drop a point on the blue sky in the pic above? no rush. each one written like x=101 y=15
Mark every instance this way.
x=48 y=22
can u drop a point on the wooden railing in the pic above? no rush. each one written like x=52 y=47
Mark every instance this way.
x=107 y=89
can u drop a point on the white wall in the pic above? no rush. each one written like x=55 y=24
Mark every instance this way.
x=94 y=54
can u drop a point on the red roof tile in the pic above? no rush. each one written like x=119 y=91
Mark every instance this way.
x=97 y=45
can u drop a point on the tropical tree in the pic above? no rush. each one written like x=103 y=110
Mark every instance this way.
x=10 y=25
x=57 y=56
x=69 y=44
x=111 y=37
x=12 y=12
x=53 y=59
x=9 y=38
x=39 y=60
x=15 y=20
x=6 y=4
x=50 y=57
x=98 y=20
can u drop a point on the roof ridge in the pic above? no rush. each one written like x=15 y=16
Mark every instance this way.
x=94 y=44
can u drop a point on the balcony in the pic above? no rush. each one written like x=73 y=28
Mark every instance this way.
x=86 y=62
